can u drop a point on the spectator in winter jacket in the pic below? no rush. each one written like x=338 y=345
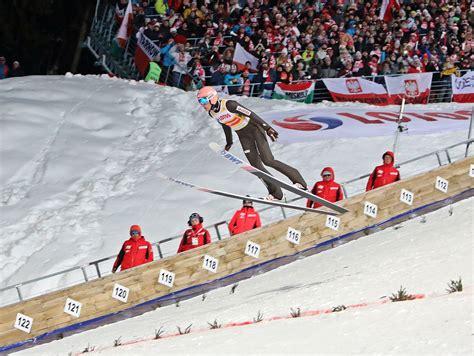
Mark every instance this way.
x=3 y=68
x=233 y=79
x=196 y=235
x=383 y=174
x=218 y=77
x=247 y=83
x=134 y=252
x=244 y=219
x=153 y=71
x=17 y=70
x=180 y=68
x=327 y=188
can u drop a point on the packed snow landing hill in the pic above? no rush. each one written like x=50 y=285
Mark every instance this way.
x=80 y=157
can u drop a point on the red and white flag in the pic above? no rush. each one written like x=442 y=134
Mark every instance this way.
x=415 y=88
x=126 y=26
x=357 y=89
x=386 y=9
x=145 y=52
x=463 y=88
x=241 y=56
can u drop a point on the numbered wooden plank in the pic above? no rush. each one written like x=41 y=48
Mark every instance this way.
x=210 y=263
x=23 y=323
x=293 y=235
x=120 y=293
x=333 y=222
x=73 y=307
x=166 y=278
x=407 y=197
x=471 y=170
x=252 y=249
x=441 y=184
x=370 y=209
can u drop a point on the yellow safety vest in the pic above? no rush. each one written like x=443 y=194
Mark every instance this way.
x=154 y=72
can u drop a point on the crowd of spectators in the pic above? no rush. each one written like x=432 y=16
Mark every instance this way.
x=6 y=72
x=305 y=39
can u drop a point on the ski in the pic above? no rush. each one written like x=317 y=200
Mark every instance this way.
x=243 y=197
x=262 y=175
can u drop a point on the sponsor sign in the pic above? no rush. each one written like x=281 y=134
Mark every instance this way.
x=319 y=123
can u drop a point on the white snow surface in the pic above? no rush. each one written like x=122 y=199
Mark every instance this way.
x=79 y=157
x=422 y=255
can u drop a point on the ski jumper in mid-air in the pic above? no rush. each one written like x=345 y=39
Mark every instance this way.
x=251 y=130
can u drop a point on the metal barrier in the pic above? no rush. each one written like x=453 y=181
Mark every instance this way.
x=440 y=92
x=103 y=266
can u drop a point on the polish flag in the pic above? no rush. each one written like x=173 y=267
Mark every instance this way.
x=386 y=9
x=241 y=56
x=126 y=26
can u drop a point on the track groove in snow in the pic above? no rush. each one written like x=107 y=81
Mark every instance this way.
x=264 y=321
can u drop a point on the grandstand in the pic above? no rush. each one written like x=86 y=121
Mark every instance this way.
x=289 y=42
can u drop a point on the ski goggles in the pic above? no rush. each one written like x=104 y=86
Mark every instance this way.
x=203 y=101
x=134 y=232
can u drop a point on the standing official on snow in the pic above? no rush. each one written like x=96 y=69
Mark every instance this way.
x=244 y=219
x=251 y=130
x=195 y=236
x=384 y=174
x=327 y=189
x=134 y=252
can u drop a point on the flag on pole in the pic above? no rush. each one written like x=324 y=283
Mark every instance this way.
x=241 y=56
x=126 y=27
x=386 y=9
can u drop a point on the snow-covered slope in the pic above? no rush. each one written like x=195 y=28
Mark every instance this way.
x=79 y=157
x=422 y=255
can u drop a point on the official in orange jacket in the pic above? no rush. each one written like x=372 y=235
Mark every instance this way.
x=134 y=252
x=195 y=236
x=327 y=189
x=384 y=174
x=244 y=219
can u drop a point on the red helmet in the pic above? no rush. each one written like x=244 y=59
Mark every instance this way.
x=207 y=95
x=136 y=228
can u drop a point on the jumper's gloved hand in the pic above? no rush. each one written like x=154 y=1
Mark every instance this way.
x=228 y=146
x=272 y=133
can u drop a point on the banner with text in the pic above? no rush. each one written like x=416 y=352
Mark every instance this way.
x=415 y=88
x=463 y=88
x=356 y=89
x=145 y=52
x=302 y=92
x=320 y=123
